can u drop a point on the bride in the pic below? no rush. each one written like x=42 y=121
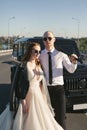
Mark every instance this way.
x=35 y=111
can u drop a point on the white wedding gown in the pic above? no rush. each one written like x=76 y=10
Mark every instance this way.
x=40 y=114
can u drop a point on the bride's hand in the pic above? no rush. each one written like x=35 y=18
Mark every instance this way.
x=24 y=104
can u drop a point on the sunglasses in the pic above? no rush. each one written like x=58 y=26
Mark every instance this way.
x=47 y=38
x=36 y=51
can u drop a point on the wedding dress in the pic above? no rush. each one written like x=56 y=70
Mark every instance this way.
x=40 y=115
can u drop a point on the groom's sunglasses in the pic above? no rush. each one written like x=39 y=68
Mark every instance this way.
x=36 y=51
x=47 y=38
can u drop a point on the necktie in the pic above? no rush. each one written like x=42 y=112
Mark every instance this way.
x=50 y=67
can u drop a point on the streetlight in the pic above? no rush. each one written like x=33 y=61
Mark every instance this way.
x=78 y=22
x=9 y=28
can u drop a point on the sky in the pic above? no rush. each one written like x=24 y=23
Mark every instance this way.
x=65 y=18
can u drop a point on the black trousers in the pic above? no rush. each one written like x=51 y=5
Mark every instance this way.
x=57 y=96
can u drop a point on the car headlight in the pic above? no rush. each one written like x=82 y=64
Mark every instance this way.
x=83 y=83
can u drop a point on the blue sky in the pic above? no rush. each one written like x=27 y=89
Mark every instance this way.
x=34 y=17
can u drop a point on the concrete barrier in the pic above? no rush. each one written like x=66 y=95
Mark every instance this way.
x=5 y=52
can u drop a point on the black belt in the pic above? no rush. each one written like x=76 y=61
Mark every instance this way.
x=56 y=86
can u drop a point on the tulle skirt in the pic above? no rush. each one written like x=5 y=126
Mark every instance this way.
x=6 y=119
x=38 y=117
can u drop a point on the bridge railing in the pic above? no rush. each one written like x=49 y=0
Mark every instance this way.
x=83 y=51
x=5 y=52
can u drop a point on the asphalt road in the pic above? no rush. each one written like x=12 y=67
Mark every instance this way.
x=73 y=121
x=5 y=84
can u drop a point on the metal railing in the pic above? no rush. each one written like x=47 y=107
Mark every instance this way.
x=5 y=52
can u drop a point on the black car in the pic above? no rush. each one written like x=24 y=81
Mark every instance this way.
x=75 y=84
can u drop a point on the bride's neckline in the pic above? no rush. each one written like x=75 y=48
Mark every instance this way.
x=35 y=68
x=32 y=65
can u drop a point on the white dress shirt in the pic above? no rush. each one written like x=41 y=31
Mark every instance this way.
x=59 y=59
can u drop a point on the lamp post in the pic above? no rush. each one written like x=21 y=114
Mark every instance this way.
x=78 y=23
x=9 y=28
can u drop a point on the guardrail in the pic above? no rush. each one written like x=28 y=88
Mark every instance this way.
x=83 y=51
x=5 y=52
